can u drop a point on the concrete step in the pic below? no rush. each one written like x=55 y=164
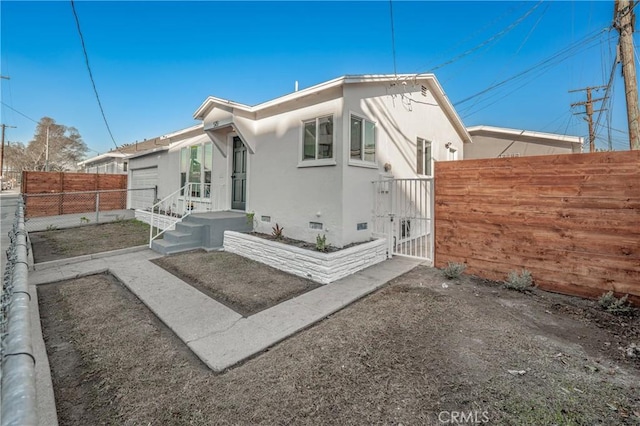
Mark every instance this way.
x=189 y=228
x=166 y=247
x=180 y=237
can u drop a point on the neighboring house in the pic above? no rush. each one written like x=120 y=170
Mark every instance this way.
x=307 y=160
x=109 y=163
x=496 y=142
x=153 y=168
x=116 y=160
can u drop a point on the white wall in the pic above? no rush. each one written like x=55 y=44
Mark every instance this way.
x=399 y=123
x=290 y=194
x=492 y=146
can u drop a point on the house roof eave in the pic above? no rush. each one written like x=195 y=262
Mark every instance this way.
x=102 y=157
x=431 y=80
x=554 y=137
x=439 y=93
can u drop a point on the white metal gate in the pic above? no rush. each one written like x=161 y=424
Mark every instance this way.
x=403 y=213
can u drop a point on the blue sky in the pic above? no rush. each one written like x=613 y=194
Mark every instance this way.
x=154 y=63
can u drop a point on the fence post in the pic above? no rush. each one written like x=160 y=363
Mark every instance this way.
x=97 y=206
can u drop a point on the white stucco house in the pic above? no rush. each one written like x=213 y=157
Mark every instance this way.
x=306 y=160
x=113 y=162
x=500 y=142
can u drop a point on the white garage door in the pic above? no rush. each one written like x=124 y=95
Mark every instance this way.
x=142 y=182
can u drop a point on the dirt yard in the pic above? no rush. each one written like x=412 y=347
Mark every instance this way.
x=414 y=352
x=216 y=275
x=88 y=239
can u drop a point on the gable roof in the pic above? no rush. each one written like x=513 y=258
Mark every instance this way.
x=523 y=134
x=428 y=79
x=147 y=146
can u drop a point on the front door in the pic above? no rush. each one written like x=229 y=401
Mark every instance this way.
x=239 y=176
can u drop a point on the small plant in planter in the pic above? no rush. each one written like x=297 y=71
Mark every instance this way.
x=453 y=270
x=321 y=243
x=250 y=217
x=277 y=232
x=519 y=282
x=612 y=304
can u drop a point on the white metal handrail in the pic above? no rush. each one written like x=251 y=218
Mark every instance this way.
x=176 y=206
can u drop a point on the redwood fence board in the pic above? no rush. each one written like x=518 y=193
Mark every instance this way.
x=572 y=220
x=63 y=190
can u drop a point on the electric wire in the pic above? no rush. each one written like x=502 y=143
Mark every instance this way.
x=515 y=54
x=543 y=65
x=495 y=37
x=473 y=35
x=15 y=110
x=93 y=83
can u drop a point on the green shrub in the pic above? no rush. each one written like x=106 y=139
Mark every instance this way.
x=453 y=270
x=321 y=243
x=519 y=282
x=250 y=217
x=612 y=304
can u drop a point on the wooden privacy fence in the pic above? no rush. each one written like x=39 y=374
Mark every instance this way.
x=57 y=193
x=572 y=220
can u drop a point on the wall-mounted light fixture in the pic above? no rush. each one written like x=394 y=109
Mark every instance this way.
x=448 y=145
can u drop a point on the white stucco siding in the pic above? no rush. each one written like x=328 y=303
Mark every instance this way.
x=399 y=123
x=290 y=194
x=218 y=114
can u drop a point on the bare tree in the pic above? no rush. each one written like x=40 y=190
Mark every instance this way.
x=65 y=145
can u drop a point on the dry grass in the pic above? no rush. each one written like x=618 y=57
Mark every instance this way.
x=88 y=239
x=244 y=285
x=401 y=355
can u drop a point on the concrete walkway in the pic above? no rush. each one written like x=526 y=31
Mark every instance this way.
x=219 y=336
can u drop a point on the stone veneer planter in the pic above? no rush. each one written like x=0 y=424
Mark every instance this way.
x=320 y=267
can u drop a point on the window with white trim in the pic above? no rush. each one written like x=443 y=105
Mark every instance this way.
x=424 y=157
x=317 y=139
x=196 y=162
x=362 y=139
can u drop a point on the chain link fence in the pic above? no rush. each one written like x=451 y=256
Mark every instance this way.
x=18 y=391
x=51 y=211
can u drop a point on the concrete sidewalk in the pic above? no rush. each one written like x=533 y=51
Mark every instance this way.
x=219 y=336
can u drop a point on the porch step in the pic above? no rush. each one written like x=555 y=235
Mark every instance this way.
x=178 y=237
x=189 y=227
x=201 y=230
x=167 y=247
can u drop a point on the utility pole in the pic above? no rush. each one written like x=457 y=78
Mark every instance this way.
x=623 y=21
x=588 y=106
x=4 y=126
x=46 y=154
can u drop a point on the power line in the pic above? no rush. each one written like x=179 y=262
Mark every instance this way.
x=15 y=110
x=552 y=60
x=93 y=83
x=515 y=54
x=487 y=41
x=473 y=35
